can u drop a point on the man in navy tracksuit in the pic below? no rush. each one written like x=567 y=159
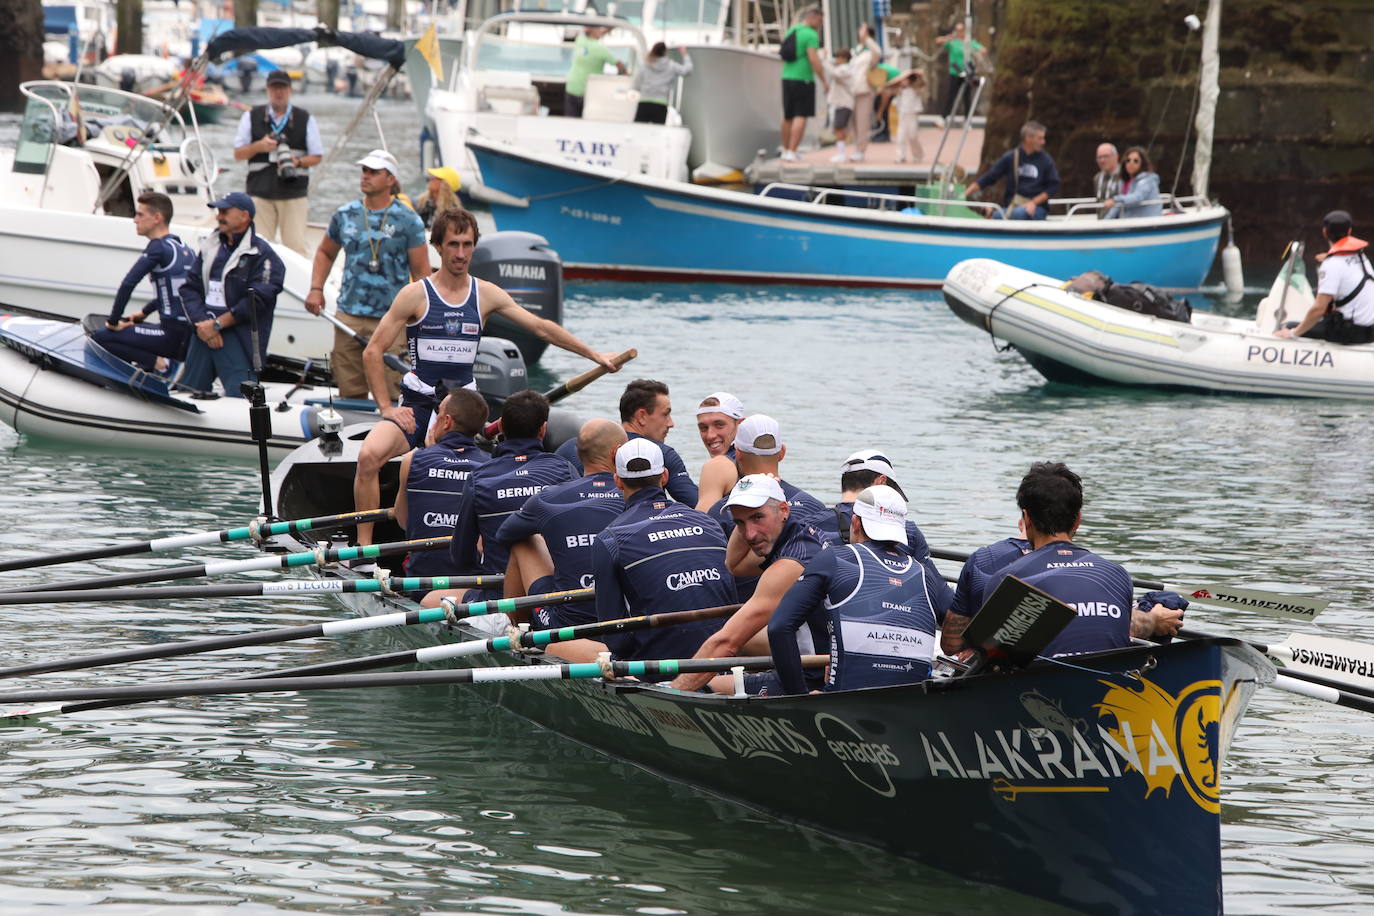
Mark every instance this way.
x=658 y=556
x=550 y=538
x=646 y=411
x=1051 y=501
x=871 y=597
x=519 y=468
x=433 y=478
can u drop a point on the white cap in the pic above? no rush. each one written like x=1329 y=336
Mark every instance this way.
x=758 y=435
x=882 y=512
x=753 y=490
x=380 y=159
x=639 y=458
x=868 y=459
x=727 y=403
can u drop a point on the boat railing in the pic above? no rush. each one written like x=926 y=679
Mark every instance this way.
x=1080 y=206
x=946 y=172
x=817 y=196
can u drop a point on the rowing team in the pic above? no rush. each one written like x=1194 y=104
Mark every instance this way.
x=617 y=509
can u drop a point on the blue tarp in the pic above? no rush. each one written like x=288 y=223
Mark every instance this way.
x=251 y=39
x=59 y=20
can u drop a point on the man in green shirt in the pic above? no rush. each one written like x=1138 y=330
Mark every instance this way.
x=799 y=77
x=589 y=56
x=957 y=44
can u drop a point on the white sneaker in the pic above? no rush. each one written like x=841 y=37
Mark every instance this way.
x=856 y=156
x=901 y=159
x=838 y=157
x=788 y=156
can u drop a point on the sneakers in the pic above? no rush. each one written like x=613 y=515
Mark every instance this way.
x=856 y=156
x=789 y=156
x=838 y=157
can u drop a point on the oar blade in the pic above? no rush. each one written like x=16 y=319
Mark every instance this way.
x=1347 y=662
x=1274 y=604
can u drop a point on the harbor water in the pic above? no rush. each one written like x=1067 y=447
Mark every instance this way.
x=432 y=800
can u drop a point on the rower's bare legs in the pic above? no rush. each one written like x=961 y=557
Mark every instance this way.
x=577 y=650
x=384 y=442
x=439 y=594
x=529 y=561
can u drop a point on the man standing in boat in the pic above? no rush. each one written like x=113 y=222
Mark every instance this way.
x=168 y=259
x=279 y=142
x=442 y=317
x=1344 y=310
x=1030 y=174
x=589 y=56
x=383 y=243
x=230 y=294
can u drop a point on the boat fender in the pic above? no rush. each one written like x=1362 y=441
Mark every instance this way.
x=1231 y=272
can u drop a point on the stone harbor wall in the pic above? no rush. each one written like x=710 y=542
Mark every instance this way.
x=1295 y=118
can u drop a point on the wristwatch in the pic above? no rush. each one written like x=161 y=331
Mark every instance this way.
x=217 y=325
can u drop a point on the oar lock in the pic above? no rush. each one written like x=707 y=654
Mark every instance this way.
x=255 y=529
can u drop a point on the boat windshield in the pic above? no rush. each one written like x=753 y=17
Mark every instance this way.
x=539 y=58
x=680 y=13
x=51 y=116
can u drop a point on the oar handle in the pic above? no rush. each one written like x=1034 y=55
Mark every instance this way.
x=574 y=384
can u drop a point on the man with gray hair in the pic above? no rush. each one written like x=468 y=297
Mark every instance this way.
x=1107 y=181
x=1030 y=174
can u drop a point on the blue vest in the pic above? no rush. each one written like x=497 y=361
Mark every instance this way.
x=443 y=343
x=434 y=495
x=882 y=619
x=178 y=257
x=1099 y=590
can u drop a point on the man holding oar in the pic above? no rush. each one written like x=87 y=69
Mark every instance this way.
x=442 y=317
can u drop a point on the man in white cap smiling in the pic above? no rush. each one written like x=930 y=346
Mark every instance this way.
x=770 y=542
x=383 y=242
x=658 y=556
x=871 y=599
x=759 y=450
x=718 y=417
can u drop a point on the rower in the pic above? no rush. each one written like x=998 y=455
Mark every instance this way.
x=433 y=478
x=518 y=469
x=770 y=542
x=168 y=259
x=442 y=317
x=981 y=569
x=658 y=556
x=1344 y=310
x=1051 y=501
x=550 y=537
x=718 y=417
x=646 y=412
x=870 y=599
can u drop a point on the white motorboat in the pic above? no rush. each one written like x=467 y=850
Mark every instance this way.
x=510 y=89
x=67 y=192
x=135 y=72
x=1076 y=340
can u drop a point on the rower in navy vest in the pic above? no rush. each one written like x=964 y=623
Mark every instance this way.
x=718 y=418
x=519 y=468
x=280 y=142
x=1344 y=310
x=1051 y=501
x=428 y=504
x=442 y=317
x=167 y=259
x=872 y=598
x=658 y=556
x=645 y=410
x=771 y=542
x=550 y=537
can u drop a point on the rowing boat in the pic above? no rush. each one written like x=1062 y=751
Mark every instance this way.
x=1094 y=785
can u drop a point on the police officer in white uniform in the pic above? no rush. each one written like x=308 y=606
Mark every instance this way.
x=1344 y=310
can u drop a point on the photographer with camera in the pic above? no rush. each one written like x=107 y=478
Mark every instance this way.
x=280 y=142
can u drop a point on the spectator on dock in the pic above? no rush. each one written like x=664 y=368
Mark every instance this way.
x=910 y=86
x=1030 y=173
x=589 y=56
x=961 y=69
x=441 y=193
x=840 y=98
x=801 y=68
x=655 y=79
x=280 y=142
x=866 y=56
x=1139 y=188
x=1107 y=181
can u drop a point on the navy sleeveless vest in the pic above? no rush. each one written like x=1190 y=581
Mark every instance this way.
x=443 y=343
x=882 y=630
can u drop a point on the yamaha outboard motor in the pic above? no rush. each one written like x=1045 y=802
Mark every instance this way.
x=499 y=371
x=524 y=265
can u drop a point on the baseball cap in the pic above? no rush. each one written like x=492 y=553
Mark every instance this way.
x=753 y=490
x=448 y=176
x=279 y=77
x=868 y=459
x=235 y=199
x=726 y=403
x=380 y=159
x=758 y=435
x=638 y=458
x=1337 y=222
x=882 y=512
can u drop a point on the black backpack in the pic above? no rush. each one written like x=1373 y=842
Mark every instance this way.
x=788 y=49
x=1147 y=300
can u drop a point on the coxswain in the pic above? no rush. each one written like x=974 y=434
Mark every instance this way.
x=1344 y=310
x=872 y=599
x=550 y=538
x=658 y=556
x=646 y=411
x=167 y=258
x=771 y=542
x=1051 y=501
x=718 y=417
x=519 y=468
x=442 y=317
x=434 y=477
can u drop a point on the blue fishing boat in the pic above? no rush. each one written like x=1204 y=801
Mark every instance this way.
x=613 y=224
